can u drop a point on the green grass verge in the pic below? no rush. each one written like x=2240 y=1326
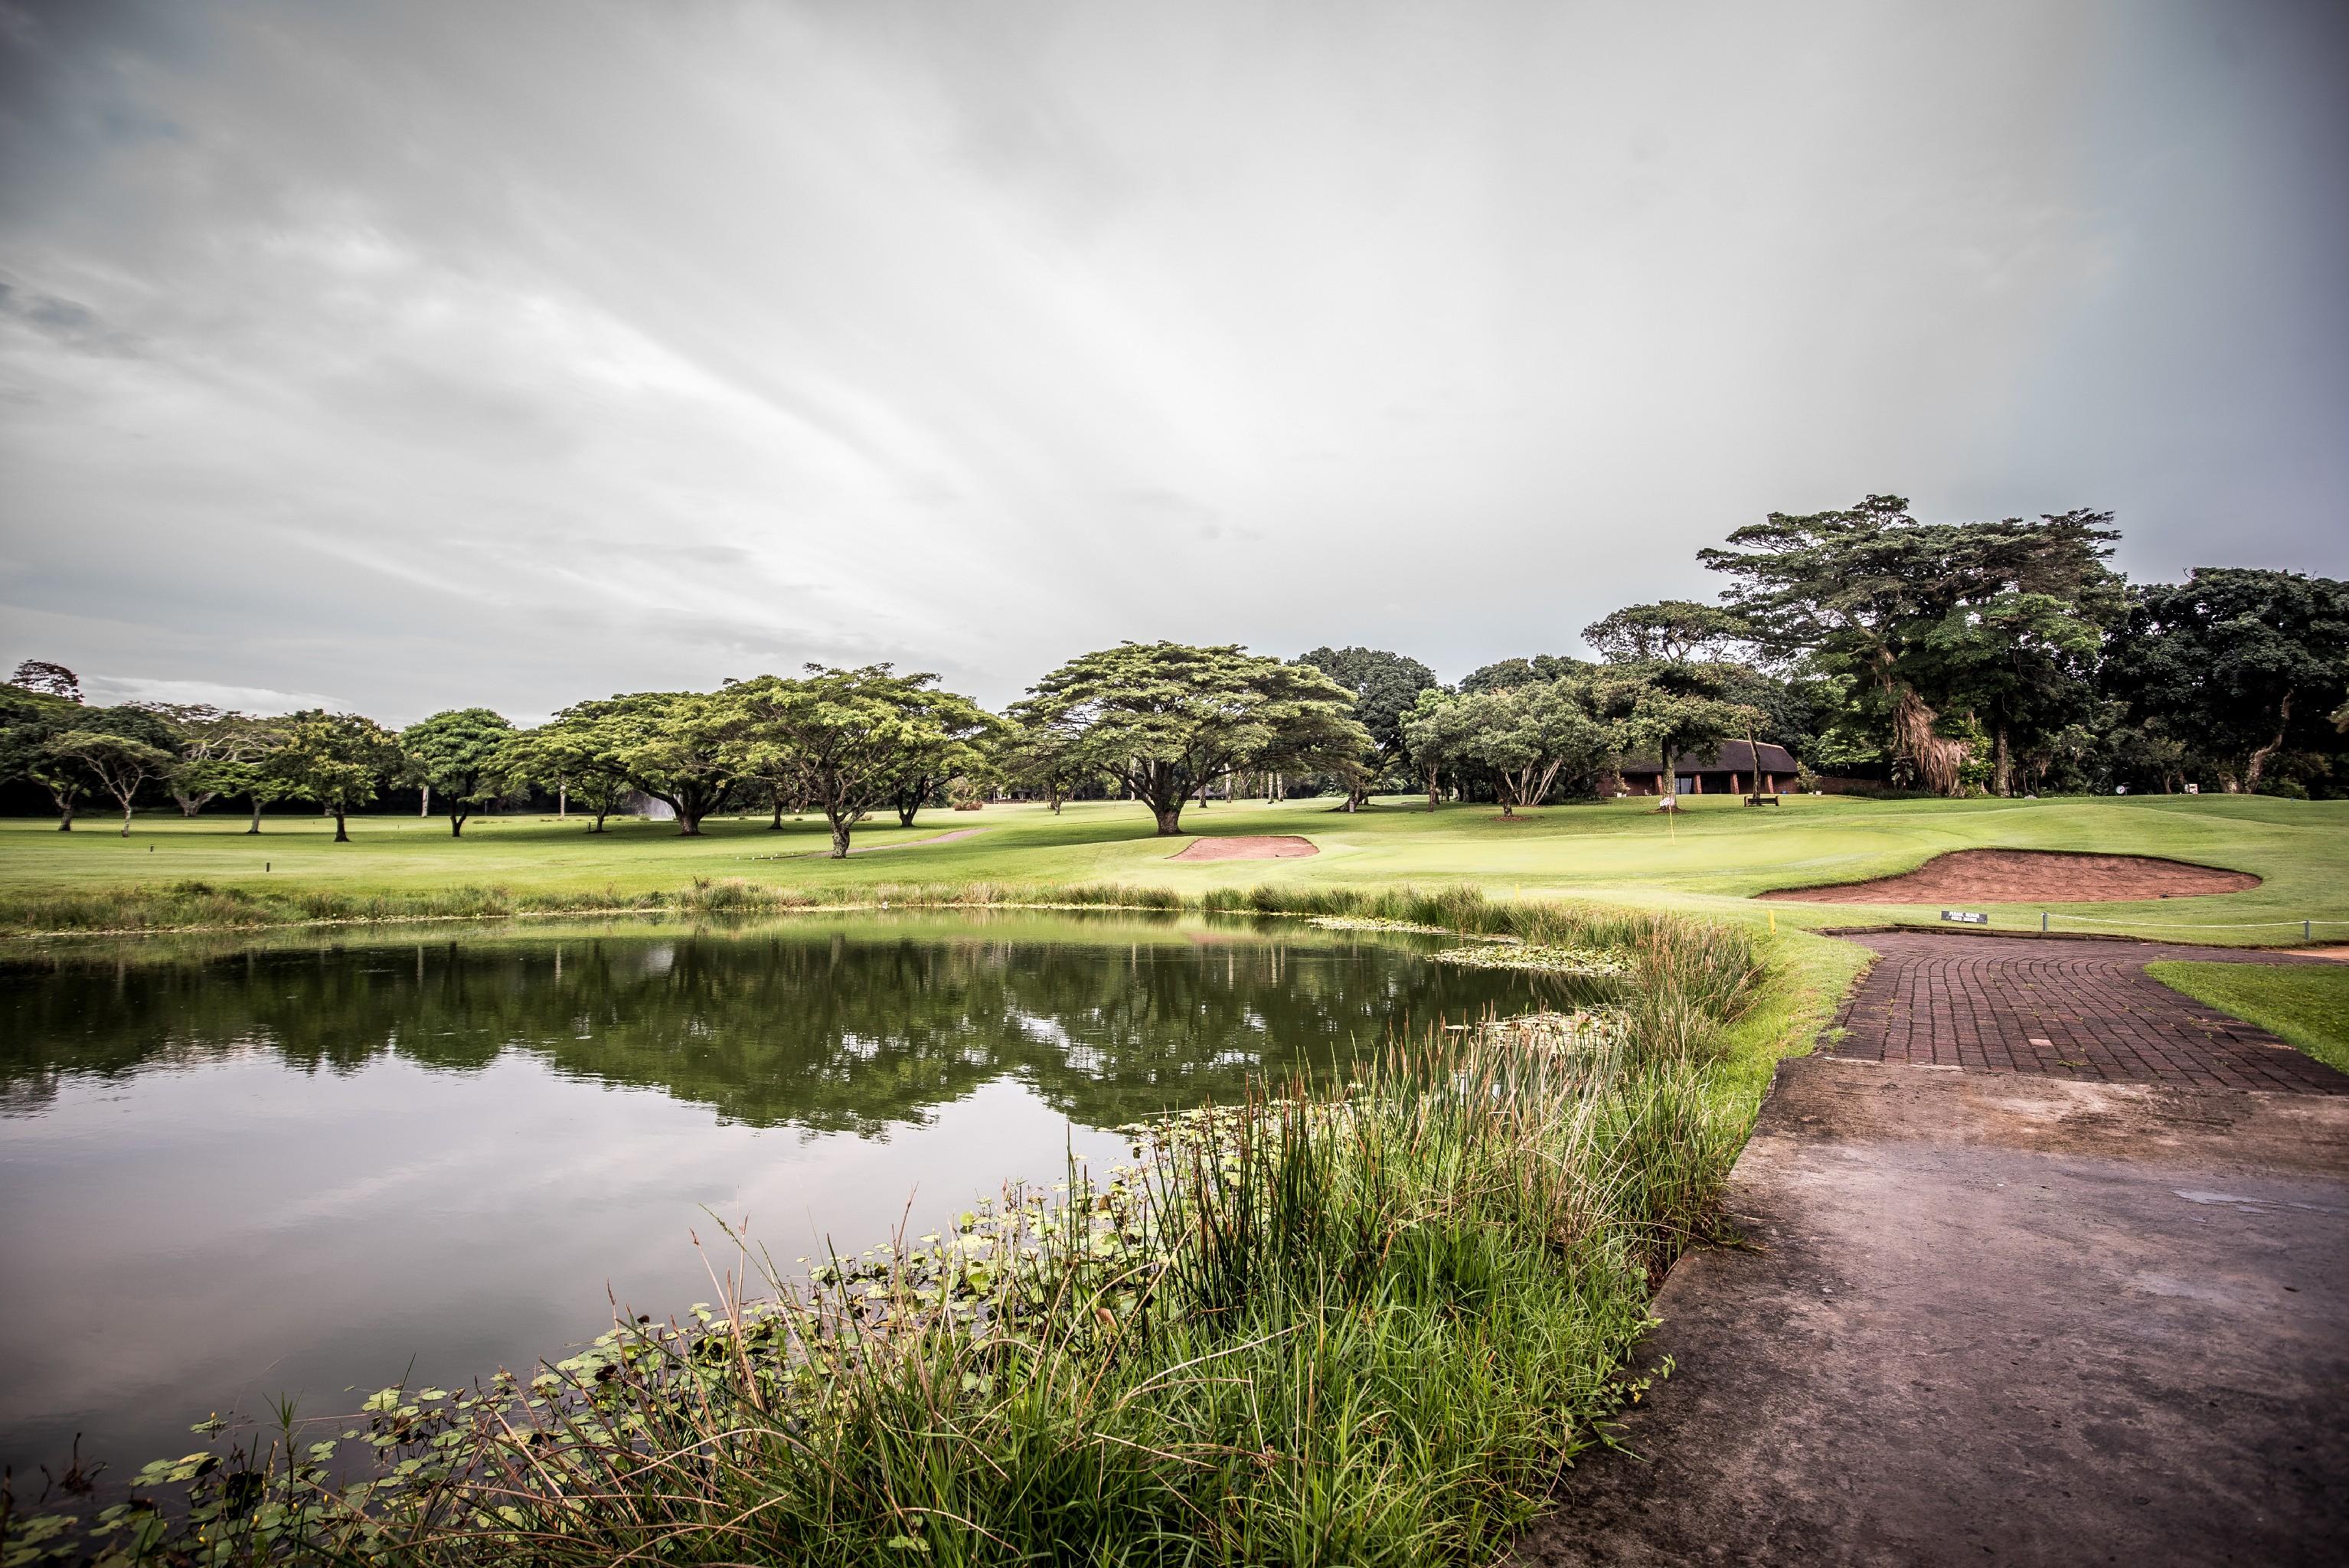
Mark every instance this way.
x=2306 y=1004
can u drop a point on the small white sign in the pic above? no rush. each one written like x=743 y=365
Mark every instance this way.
x=2194 y=788
x=1966 y=916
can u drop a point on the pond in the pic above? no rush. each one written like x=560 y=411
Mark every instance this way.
x=307 y=1167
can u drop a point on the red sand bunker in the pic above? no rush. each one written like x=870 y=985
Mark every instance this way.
x=2030 y=876
x=1246 y=847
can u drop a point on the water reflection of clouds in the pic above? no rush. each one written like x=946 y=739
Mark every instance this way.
x=297 y=1169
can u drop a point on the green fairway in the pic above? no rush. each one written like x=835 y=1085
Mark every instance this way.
x=2308 y=1005
x=1710 y=860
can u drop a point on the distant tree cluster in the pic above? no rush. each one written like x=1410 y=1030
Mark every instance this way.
x=1950 y=658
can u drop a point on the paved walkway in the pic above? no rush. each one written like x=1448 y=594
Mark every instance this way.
x=1993 y=1316
x=2065 y=1009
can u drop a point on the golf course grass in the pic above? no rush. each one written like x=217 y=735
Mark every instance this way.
x=1709 y=861
x=2306 y=1005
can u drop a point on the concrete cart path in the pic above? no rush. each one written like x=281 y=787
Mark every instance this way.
x=1997 y=1316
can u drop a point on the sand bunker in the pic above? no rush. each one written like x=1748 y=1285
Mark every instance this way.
x=1247 y=847
x=2030 y=876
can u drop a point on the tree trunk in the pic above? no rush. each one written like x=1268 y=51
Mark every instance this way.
x=906 y=814
x=65 y=815
x=688 y=824
x=126 y=818
x=562 y=799
x=425 y=808
x=2259 y=759
x=456 y=825
x=601 y=812
x=1430 y=788
x=838 y=837
x=342 y=827
x=2001 y=767
x=1938 y=757
x=1170 y=818
x=255 y=826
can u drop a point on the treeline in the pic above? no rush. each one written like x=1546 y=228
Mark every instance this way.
x=1951 y=658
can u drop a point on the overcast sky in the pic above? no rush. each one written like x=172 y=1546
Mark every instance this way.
x=402 y=356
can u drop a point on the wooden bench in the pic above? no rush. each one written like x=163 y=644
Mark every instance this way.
x=1762 y=799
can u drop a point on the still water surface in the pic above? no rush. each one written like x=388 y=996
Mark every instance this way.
x=302 y=1168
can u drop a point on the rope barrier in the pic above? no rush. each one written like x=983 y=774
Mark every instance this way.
x=2046 y=915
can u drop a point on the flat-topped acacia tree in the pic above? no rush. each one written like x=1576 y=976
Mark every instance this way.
x=576 y=755
x=676 y=747
x=852 y=741
x=1168 y=718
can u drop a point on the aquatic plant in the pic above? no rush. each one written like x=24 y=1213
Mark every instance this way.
x=1588 y=963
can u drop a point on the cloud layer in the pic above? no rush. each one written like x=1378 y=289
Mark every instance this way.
x=423 y=356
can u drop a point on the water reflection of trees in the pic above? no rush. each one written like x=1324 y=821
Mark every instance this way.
x=839 y=1031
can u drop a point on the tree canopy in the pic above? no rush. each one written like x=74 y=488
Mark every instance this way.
x=853 y=740
x=121 y=764
x=1921 y=614
x=461 y=757
x=2237 y=664
x=47 y=679
x=674 y=746
x=35 y=725
x=1168 y=718
x=1671 y=630
x=1529 y=735
x=1504 y=673
x=1385 y=686
x=337 y=759
x=577 y=753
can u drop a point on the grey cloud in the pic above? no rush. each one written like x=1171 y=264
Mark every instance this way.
x=65 y=321
x=386 y=350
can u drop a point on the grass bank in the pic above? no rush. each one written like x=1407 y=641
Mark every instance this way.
x=1360 y=1324
x=2308 y=1005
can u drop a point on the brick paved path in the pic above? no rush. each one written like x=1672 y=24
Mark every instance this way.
x=2064 y=1008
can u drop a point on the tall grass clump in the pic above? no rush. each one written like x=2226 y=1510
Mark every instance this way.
x=1352 y=1323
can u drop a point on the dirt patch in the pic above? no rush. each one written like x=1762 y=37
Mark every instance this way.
x=2029 y=876
x=1247 y=847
